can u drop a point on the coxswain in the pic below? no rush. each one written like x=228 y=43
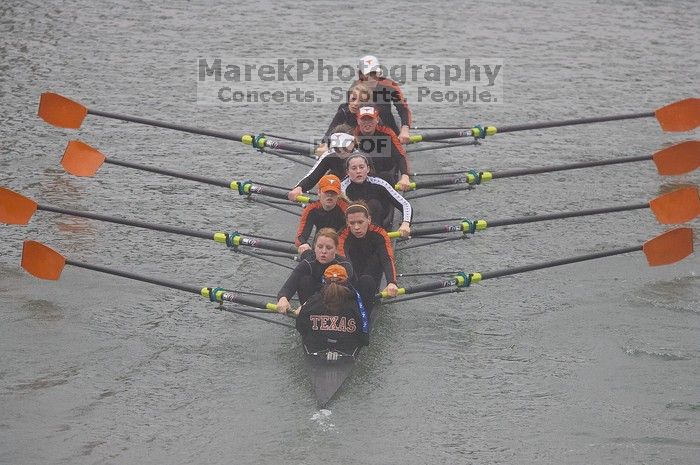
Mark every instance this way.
x=359 y=94
x=342 y=145
x=385 y=151
x=326 y=212
x=335 y=318
x=305 y=279
x=369 y=249
x=378 y=194
x=386 y=92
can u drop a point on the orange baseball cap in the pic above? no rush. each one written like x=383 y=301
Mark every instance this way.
x=336 y=273
x=329 y=182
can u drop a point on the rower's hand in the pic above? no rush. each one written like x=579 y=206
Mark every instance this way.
x=404 y=183
x=404 y=135
x=392 y=289
x=321 y=149
x=303 y=248
x=292 y=195
x=405 y=229
x=283 y=305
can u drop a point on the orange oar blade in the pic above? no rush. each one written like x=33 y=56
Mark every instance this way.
x=669 y=247
x=676 y=207
x=42 y=261
x=680 y=116
x=80 y=159
x=15 y=208
x=61 y=111
x=678 y=159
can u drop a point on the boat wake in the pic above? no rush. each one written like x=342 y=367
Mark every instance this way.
x=323 y=419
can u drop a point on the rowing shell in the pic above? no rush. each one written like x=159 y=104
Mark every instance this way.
x=327 y=376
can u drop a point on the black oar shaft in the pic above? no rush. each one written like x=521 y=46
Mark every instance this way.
x=175 y=174
x=227 y=296
x=230 y=296
x=562 y=215
x=262 y=244
x=574 y=122
x=469 y=132
x=568 y=166
x=553 y=263
x=137 y=277
x=136 y=223
x=193 y=130
x=456 y=227
x=161 y=124
x=431 y=286
x=245 y=241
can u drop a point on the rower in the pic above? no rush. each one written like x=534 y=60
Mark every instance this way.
x=386 y=153
x=305 y=279
x=378 y=194
x=326 y=212
x=369 y=249
x=385 y=92
x=358 y=95
x=335 y=318
x=342 y=145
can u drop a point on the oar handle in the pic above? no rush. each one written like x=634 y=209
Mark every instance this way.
x=477 y=132
x=471 y=177
x=222 y=295
x=460 y=280
x=248 y=187
x=465 y=226
x=235 y=240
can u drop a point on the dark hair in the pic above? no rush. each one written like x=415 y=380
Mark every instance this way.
x=334 y=295
x=358 y=155
x=346 y=128
x=358 y=206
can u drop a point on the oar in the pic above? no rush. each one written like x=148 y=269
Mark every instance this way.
x=680 y=116
x=667 y=248
x=678 y=159
x=18 y=209
x=63 y=112
x=674 y=207
x=45 y=263
x=80 y=159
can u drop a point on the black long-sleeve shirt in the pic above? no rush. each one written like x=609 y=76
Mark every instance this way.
x=370 y=255
x=322 y=329
x=385 y=151
x=329 y=161
x=342 y=116
x=377 y=189
x=385 y=94
x=315 y=216
x=309 y=266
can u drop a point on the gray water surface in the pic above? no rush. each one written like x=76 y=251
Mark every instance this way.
x=592 y=363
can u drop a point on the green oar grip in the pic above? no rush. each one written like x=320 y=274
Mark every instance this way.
x=483 y=176
x=411 y=186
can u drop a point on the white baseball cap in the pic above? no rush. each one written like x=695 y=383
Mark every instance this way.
x=341 y=140
x=368 y=112
x=369 y=64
